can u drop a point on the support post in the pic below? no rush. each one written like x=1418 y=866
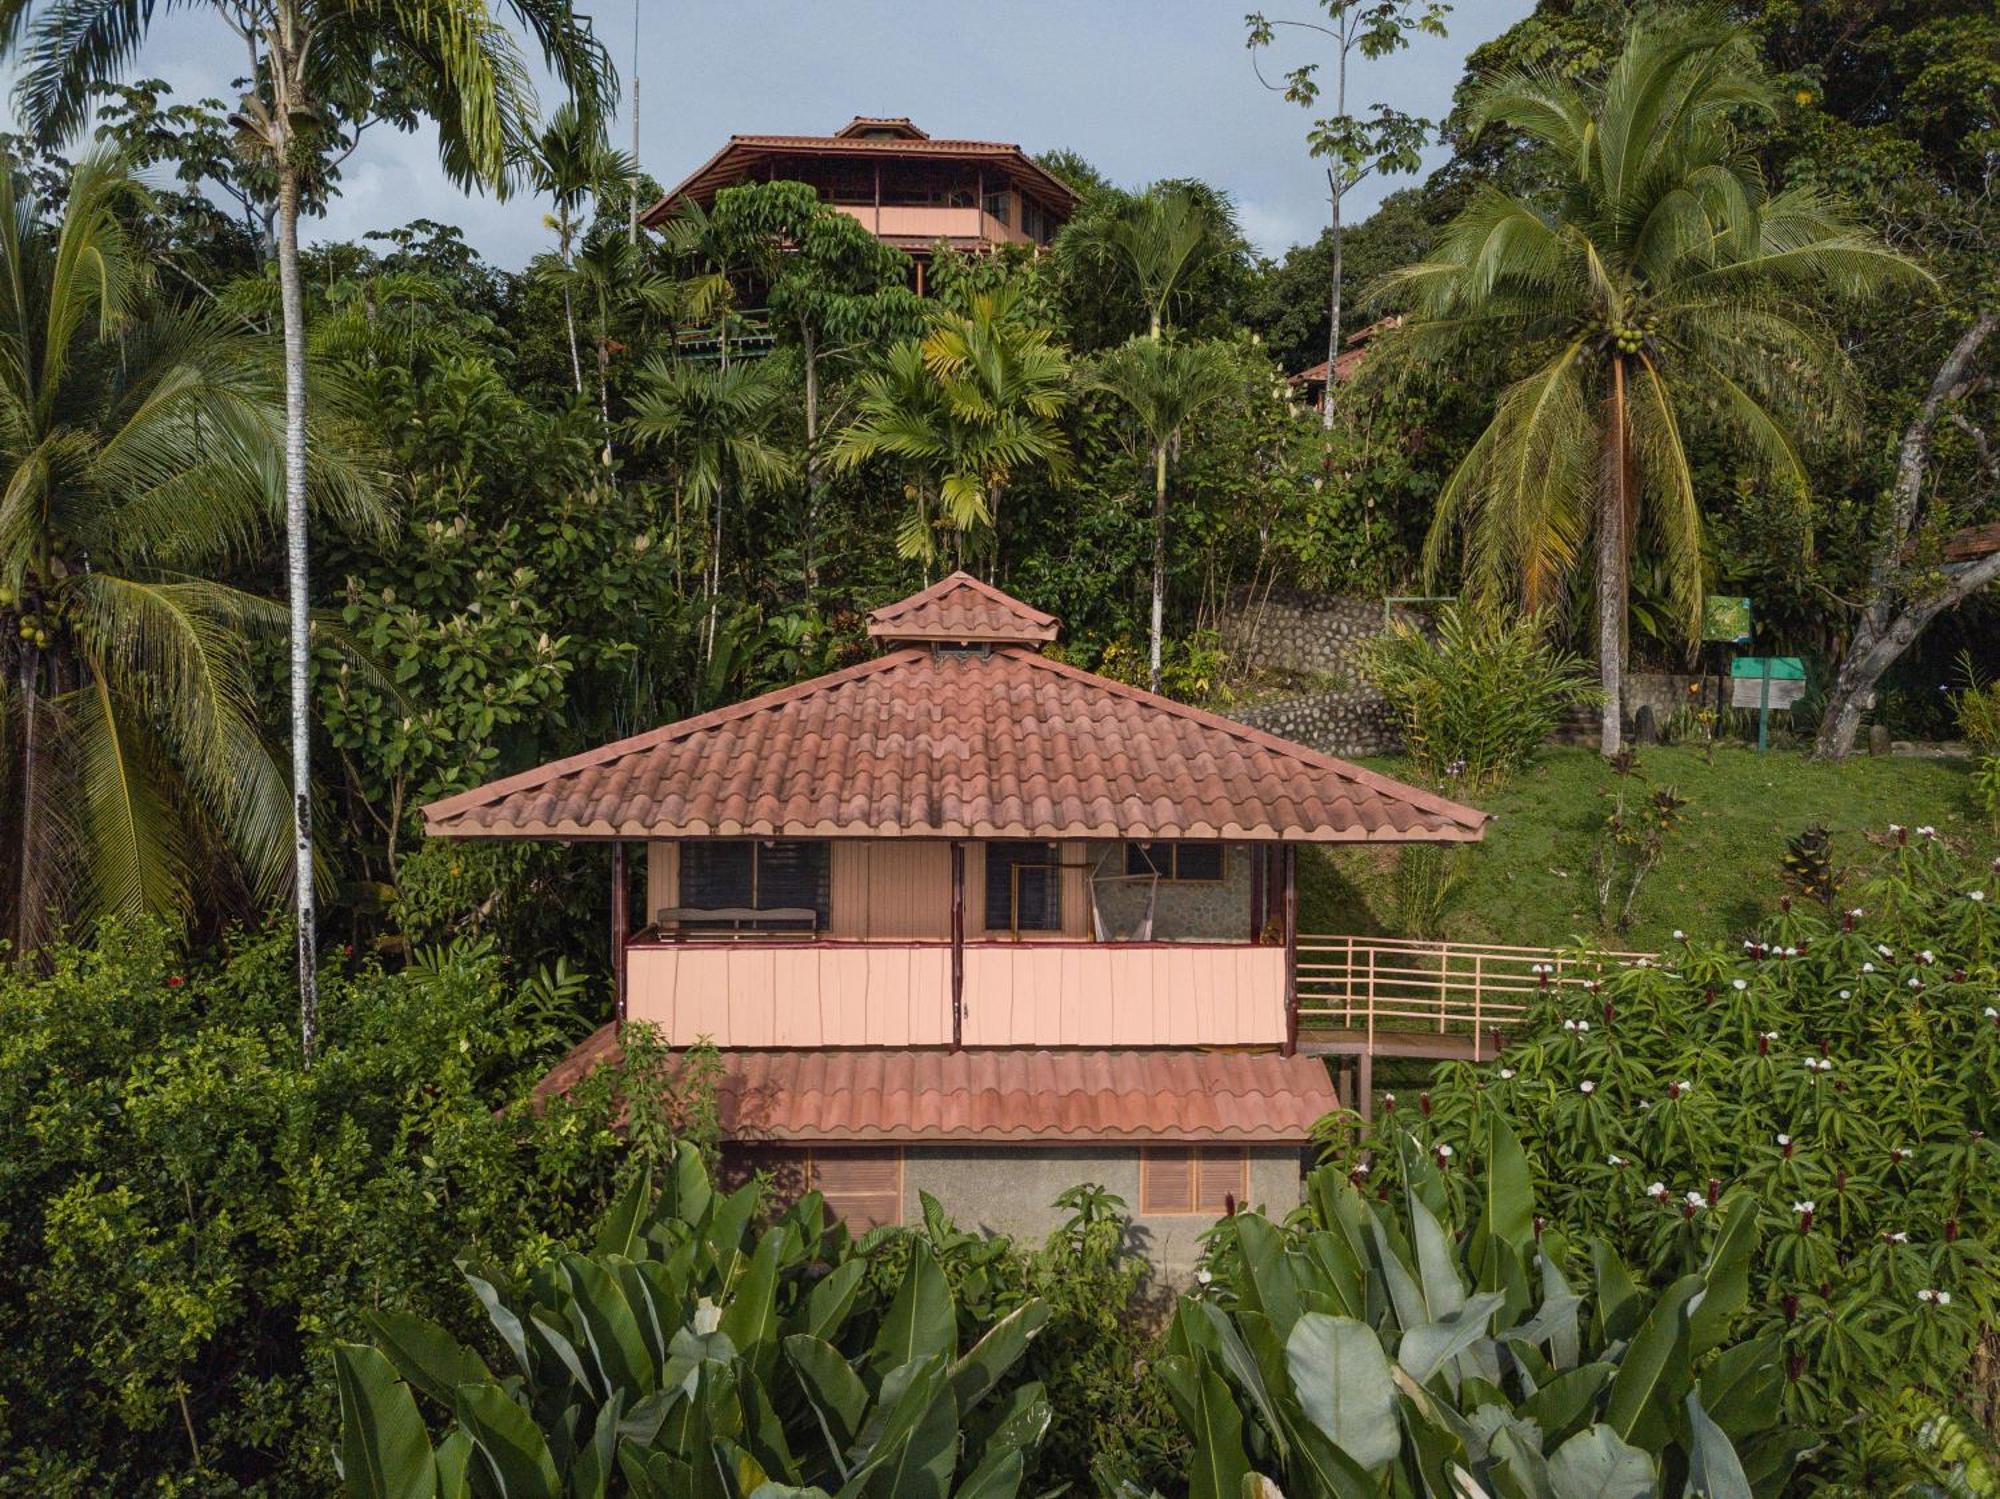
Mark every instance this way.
x=1257 y=863
x=878 y=198
x=621 y=922
x=958 y=947
x=1364 y=1084
x=1291 y=857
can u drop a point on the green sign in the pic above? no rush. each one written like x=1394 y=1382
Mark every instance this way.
x=1777 y=668
x=1764 y=683
x=1725 y=618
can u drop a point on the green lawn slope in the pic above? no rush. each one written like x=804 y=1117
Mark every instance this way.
x=1530 y=882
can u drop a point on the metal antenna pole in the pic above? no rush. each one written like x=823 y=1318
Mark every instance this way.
x=632 y=227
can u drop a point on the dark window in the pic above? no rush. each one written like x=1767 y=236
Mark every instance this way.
x=758 y=876
x=1023 y=888
x=996 y=205
x=1192 y=863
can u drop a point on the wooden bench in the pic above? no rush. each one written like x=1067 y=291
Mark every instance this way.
x=677 y=923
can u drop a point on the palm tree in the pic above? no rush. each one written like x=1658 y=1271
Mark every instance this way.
x=714 y=424
x=139 y=448
x=1157 y=240
x=571 y=161
x=980 y=396
x=452 y=61
x=1165 y=385
x=1654 y=282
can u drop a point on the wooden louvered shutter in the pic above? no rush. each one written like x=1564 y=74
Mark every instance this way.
x=862 y=1186
x=1166 y=1179
x=1221 y=1175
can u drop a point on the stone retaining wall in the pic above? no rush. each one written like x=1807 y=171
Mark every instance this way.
x=1334 y=723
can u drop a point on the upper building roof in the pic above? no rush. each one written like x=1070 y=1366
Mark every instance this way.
x=998 y=741
x=863 y=136
x=962 y=610
x=1001 y=1095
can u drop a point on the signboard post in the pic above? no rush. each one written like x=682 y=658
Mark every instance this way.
x=1764 y=683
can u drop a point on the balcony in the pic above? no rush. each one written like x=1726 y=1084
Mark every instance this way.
x=928 y=223
x=802 y=993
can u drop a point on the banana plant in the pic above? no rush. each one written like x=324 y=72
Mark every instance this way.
x=690 y=1356
x=1370 y=1347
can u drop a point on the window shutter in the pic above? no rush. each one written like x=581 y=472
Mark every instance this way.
x=1221 y=1178
x=863 y=1187
x=715 y=875
x=1166 y=1179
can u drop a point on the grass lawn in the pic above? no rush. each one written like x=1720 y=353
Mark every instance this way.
x=1531 y=882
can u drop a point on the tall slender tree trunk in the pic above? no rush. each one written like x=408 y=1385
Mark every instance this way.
x=298 y=578
x=1333 y=309
x=24 y=888
x=812 y=462
x=715 y=540
x=575 y=355
x=1159 y=560
x=1614 y=510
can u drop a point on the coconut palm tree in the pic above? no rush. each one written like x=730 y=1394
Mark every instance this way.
x=451 y=61
x=1655 y=282
x=571 y=161
x=140 y=450
x=1165 y=385
x=714 y=425
x=979 y=397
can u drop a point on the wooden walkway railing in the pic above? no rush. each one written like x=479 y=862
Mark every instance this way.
x=1389 y=993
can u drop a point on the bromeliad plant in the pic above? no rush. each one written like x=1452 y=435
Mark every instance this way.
x=1842 y=1071
x=1425 y=1340
x=688 y=1356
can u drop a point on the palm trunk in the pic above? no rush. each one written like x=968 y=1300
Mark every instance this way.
x=1333 y=310
x=298 y=575
x=24 y=890
x=1613 y=509
x=575 y=354
x=715 y=540
x=812 y=463
x=1159 y=561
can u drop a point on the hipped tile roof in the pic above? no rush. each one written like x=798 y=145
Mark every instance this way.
x=1000 y=742
x=1003 y=1096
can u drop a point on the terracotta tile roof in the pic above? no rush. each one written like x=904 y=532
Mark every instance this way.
x=962 y=610
x=1003 y=1096
x=999 y=743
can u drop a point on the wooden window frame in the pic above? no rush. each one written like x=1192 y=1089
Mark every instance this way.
x=1148 y=850
x=894 y=1152
x=1188 y=1160
x=1051 y=865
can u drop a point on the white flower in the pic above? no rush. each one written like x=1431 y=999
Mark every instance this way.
x=1686 y=1086
x=1895 y=828
x=1739 y=984
x=1885 y=950
x=1203 y=1276
x=1867 y=967
x=1657 y=1191
x=1767 y=1035
x=1934 y=1298
x=1616 y=1160
x=1695 y=1200
x=1824 y=1064
x=1992 y=1014
x=1847 y=994
x=1804 y=1207
x=1445 y=1151
x=1362 y=1168
x=1857 y=913
x=1679 y=935
x=1927 y=831
x=1944 y=1298
x=1916 y=983
x=1927 y=956
x=1899 y=1237
x=1791 y=952
x=1975 y=895
x=1506 y=1073
x=1583 y=1025
x=1784 y=1139
x=1587 y=1086
x=1569 y=1025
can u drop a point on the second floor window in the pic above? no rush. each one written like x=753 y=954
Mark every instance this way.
x=1023 y=888
x=747 y=875
x=1186 y=863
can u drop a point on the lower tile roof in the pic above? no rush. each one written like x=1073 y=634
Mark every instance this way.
x=1003 y=1096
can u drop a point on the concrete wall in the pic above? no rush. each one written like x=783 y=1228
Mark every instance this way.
x=1317 y=640
x=1009 y=1189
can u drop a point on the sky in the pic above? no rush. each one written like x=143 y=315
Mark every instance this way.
x=1141 y=88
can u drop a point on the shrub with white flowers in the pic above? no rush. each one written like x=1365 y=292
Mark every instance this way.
x=1845 y=1069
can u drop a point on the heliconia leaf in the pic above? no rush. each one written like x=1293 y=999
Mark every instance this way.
x=1654 y=1373
x=1745 y=1387
x=1218 y=1464
x=692 y=1194
x=1595 y=1464
x=1340 y=1377
x=832 y=1387
x=505 y=1320
x=1559 y=1406
x=1268 y=1284
x=1517 y=1469
x=988 y=1360
x=1725 y=1277
x=832 y=1299
x=1424 y=1349
x=1241 y=1365
x=1506 y=1203
x=591 y=1468
x=1437 y=1265
x=431 y=1359
x=1619 y=1302
x=921 y=1322
x=616 y=1344
x=511 y=1448
x=751 y=1318
x=1714 y=1469
x=385 y=1453
x=454 y=1460
x=997 y=1477
x=618 y=1231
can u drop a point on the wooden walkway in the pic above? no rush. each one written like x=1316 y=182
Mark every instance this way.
x=1364 y=997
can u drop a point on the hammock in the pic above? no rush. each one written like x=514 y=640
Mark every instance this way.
x=1143 y=931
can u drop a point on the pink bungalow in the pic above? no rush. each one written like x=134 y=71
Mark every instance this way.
x=966 y=919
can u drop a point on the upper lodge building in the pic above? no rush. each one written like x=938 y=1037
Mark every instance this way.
x=967 y=919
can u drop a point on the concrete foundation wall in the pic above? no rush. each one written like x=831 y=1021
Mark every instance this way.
x=1010 y=1190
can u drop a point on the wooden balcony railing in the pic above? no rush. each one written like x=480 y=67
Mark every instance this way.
x=1386 y=988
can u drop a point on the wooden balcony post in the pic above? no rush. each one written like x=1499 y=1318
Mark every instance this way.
x=621 y=922
x=958 y=947
x=1291 y=857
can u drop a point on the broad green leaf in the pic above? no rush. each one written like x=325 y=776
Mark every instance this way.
x=1218 y=1464
x=1725 y=1277
x=1714 y=1470
x=431 y=1359
x=1425 y=1349
x=591 y=1468
x=920 y=1322
x=1595 y=1464
x=692 y=1193
x=609 y=1324
x=1518 y=1470
x=751 y=1318
x=385 y=1452
x=832 y=1387
x=1619 y=1303
x=832 y=1299
x=1745 y=1387
x=1228 y=1346
x=910 y=1448
x=512 y=1450
x=998 y=1477
x=1562 y=1404
x=1340 y=1377
x=1654 y=1373
x=1269 y=1285
x=988 y=1360
x=618 y=1231
x=504 y=1319
x=454 y=1460
x=1437 y=1265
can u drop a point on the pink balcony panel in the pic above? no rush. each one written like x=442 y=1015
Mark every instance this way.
x=1119 y=994
x=793 y=994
